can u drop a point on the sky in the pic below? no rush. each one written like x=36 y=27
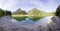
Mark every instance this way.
x=27 y=5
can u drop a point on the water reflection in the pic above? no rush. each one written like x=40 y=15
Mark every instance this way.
x=14 y=20
x=26 y=24
x=43 y=21
x=28 y=21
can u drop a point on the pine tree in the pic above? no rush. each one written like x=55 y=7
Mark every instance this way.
x=8 y=13
x=2 y=12
x=58 y=11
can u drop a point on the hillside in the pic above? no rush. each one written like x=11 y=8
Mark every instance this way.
x=36 y=12
x=19 y=12
x=32 y=12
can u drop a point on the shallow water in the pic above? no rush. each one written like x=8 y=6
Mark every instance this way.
x=25 y=25
x=30 y=23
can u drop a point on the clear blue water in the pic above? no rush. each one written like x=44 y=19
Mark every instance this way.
x=28 y=21
x=43 y=20
x=27 y=24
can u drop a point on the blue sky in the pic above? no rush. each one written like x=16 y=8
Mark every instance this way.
x=27 y=5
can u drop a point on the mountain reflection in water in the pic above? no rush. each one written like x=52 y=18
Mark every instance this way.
x=29 y=22
x=26 y=25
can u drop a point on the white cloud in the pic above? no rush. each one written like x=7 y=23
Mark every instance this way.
x=2 y=3
x=28 y=4
x=9 y=5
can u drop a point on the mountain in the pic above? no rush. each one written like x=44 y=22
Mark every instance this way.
x=20 y=12
x=36 y=12
x=32 y=12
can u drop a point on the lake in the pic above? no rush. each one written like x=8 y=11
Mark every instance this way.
x=29 y=22
x=11 y=24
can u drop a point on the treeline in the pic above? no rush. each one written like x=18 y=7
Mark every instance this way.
x=58 y=11
x=5 y=13
x=33 y=11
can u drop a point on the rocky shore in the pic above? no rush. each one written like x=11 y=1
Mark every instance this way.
x=8 y=24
